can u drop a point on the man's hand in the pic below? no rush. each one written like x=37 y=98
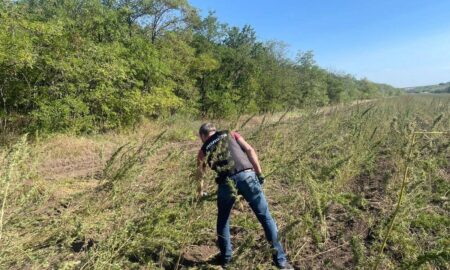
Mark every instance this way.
x=201 y=194
x=261 y=178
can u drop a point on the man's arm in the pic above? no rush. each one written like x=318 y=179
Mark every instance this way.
x=251 y=153
x=201 y=167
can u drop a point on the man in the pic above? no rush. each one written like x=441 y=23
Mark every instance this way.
x=237 y=168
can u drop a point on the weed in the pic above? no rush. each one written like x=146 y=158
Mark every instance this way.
x=333 y=181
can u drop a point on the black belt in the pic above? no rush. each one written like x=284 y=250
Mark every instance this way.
x=245 y=170
x=221 y=179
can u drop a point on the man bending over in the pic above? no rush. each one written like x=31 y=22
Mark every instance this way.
x=237 y=168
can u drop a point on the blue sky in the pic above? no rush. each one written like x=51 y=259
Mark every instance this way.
x=403 y=43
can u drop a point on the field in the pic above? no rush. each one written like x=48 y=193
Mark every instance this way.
x=359 y=186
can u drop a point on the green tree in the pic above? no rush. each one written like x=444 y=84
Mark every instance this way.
x=312 y=85
x=368 y=89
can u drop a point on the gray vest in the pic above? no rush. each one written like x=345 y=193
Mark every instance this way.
x=224 y=155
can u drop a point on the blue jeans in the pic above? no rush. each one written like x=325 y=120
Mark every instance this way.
x=248 y=186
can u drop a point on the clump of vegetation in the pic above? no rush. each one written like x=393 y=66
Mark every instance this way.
x=333 y=181
x=11 y=175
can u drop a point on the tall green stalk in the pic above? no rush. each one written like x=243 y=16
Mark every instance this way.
x=412 y=141
x=15 y=157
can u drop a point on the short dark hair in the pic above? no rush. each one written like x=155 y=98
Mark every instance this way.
x=206 y=128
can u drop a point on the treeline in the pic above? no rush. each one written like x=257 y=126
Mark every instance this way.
x=95 y=65
x=441 y=88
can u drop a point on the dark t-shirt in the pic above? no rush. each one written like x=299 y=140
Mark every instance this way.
x=234 y=134
x=224 y=154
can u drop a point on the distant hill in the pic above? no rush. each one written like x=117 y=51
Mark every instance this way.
x=437 y=88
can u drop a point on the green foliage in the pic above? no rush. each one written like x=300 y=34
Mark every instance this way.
x=11 y=175
x=89 y=66
x=312 y=82
x=127 y=160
